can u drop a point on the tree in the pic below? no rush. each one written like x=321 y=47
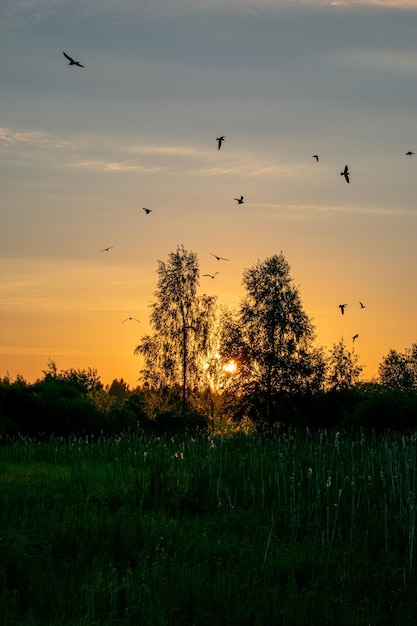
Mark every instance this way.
x=399 y=369
x=175 y=353
x=271 y=339
x=119 y=389
x=84 y=379
x=343 y=368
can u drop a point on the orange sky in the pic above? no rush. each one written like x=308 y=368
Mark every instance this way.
x=83 y=150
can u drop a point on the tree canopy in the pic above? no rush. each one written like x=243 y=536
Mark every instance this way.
x=271 y=338
x=181 y=321
x=399 y=369
x=343 y=369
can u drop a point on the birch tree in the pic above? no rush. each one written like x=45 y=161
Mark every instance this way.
x=176 y=351
x=272 y=338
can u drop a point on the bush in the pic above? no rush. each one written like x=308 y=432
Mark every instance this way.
x=379 y=408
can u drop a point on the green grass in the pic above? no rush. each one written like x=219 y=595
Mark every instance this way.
x=296 y=529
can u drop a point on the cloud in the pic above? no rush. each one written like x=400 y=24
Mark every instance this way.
x=314 y=211
x=166 y=150
x=23 y=148
x=39 y=146
x=189 y=161
x=37 y=285
x=246 y=169
x=113 y=166
x=23 y=12
x=173 y=6
x=34 y=139
x=90 y=153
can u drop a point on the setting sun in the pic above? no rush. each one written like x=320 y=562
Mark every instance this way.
x=106 y=205
x=230 y=367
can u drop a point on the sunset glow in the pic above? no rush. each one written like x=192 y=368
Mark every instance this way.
x=84 y=149
x=230 y=367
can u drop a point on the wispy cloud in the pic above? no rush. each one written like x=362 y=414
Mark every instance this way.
x=312 y=211
x=34 y=139
x=395 y=4
x=57 y=351
x=41 y=286
x=113 y=166
x=22 y=12
x=166 y=150
x=186 y=160
x=23 y=148
x=171 y=6
x=38 y=146
x=247 y=169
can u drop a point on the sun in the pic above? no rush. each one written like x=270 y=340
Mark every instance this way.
x=230 y=367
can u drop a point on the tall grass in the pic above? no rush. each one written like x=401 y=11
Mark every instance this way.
x=294 y=529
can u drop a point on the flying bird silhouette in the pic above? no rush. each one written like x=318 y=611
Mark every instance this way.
x=130 y=318
x=71 y=60
x=362 y=305
x=106 y=249
x=345 y=173
x=355 y=337
x=239 y=200
x=316 y=156
x=211 y=275
x=219 y=258
x=220 y=141
x=409 y=153
x=342 y=308
x=147 y=211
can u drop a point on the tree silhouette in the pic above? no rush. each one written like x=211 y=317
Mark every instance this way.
x=399 y=369
x=119 y=389
x=175 y=352
x=343 y=369
x=271 y=339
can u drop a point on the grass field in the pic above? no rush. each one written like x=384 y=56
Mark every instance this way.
x=295 y=529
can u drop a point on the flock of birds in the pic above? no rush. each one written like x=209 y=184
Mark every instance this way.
x=345 y=173
x=342 y=310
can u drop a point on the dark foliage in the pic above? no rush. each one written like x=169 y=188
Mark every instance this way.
x=49 y=406
x=66 y=404
x=367 y=405
x=62 y=406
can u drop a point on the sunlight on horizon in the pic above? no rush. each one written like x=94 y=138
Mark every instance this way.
x=230 y=367
x=298 y=88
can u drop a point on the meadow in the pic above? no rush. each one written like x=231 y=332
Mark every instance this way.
x=297 y=528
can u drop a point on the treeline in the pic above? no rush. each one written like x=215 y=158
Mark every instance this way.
x=257 y=366
x=68 y=402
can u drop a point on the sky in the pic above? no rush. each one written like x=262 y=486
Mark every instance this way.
x=83 y=150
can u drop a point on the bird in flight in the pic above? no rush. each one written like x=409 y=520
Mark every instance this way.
x=239 y=200
x=147 y=211
x=316 y=156
x=130 y=318
x=220 y=141
x=211 y=275
x=342 y=308
x=362 y=305
x=409 y=153
x=71 y=60
x=219 y=258
x=345 y=173
x=355 y=337
x=106 y=249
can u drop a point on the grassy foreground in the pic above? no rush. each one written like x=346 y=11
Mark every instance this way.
x=296 y=529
